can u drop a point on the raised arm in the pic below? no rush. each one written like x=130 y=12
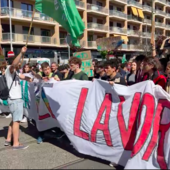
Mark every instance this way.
x=17 y=59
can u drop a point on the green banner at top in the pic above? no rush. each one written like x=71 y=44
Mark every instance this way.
x=66 y=14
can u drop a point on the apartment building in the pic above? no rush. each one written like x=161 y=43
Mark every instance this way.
x=130 y=19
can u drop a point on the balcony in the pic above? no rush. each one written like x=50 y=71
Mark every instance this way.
x=134 y=18
x=63 y=41
x=92 y=44
x=167 y=26
x=33 y=39
x=25 y=16
x=80 y=4
x=120 y=1
x=97 y=9
x=147 y=8
x=118 y=30
x=117 y=14
x=168 y=15
x=159 y=24
x=97 y=27
x=134 y=47
x=146 y=35
x=163 y=2
x=134 y=33
x=159 y=12
x=147 y=22
x=134 y=3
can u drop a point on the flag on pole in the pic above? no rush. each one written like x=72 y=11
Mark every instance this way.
x=124 y=59
x=66 y=14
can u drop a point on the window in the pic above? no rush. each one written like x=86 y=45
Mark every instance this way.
x=99 y=3
x=26 y=7
x=25 y=30
x=63 y=34
x=119 y=9
x=90 y=38
x=119 y=25
x=111 y=24
x=5 y=3
x=45 y=32
x=111 y=7
x=6 y=28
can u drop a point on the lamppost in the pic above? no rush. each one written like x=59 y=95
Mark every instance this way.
x=10 y=24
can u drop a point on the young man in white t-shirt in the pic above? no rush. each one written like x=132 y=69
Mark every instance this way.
x=15 y=101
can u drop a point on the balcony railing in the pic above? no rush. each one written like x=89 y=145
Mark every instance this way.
x=135 y=3
x=118 y=30
x=92 y=44
x=161 y=1
x=118 y=13
x=146 y=34
x=159 y=24
x=134 y=18
x=147 y=21
x=159 y=12
x=134 y=47
x=147 y=7
x=168 y=15
x=124 y=1
x=97 y=8
x=18 y=13
x=21 y=38
x=134 y=32
x=80 y=3
x=97 y=26
x=63 y=41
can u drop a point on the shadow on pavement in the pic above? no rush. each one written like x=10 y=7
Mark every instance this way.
x=62 y=143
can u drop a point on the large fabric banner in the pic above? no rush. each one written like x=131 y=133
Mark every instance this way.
x=129 y=126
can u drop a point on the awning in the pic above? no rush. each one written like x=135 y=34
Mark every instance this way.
x=134 y=10
x=125 y=38
x=140 y=12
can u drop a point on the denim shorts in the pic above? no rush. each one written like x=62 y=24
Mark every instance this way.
x=16 y=108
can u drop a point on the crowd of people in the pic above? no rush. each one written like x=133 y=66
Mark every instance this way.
x=140 y=69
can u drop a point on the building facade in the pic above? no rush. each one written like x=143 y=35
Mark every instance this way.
x=130 y=19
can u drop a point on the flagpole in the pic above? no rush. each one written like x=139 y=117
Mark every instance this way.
x=153 y=29
x=29 y=32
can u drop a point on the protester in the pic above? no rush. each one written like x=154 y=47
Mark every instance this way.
x=94 y=67
x=111 y=69
x=131 y=77
x=15 y=101
x=67 y=74
x=123 y=70
x=151 y=69
x=54 y=69
x=75 y=66
x=26 y=68
x=101 y=71
x=167 y=72
x=139 y=75
x=46 y=73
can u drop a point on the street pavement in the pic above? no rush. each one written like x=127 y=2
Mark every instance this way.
x=52 y=154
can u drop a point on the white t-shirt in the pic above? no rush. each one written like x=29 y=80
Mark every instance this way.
x=15 y=92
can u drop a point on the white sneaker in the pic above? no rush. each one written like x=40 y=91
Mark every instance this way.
x=24 y=120
x=9 y=116
x=112 y=164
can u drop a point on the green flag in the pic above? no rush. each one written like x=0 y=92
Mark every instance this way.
x=124 y=59
x=66 y=14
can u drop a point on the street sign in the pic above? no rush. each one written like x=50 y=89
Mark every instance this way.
x=10 y=54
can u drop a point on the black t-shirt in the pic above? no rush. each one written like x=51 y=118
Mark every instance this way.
x=58 y=74
x=118 y=79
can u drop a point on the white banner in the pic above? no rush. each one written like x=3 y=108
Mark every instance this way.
x=125 y=125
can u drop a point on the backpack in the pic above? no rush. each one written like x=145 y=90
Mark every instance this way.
x=4 y=91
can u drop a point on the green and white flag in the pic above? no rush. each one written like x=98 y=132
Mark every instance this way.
x=66 y=14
